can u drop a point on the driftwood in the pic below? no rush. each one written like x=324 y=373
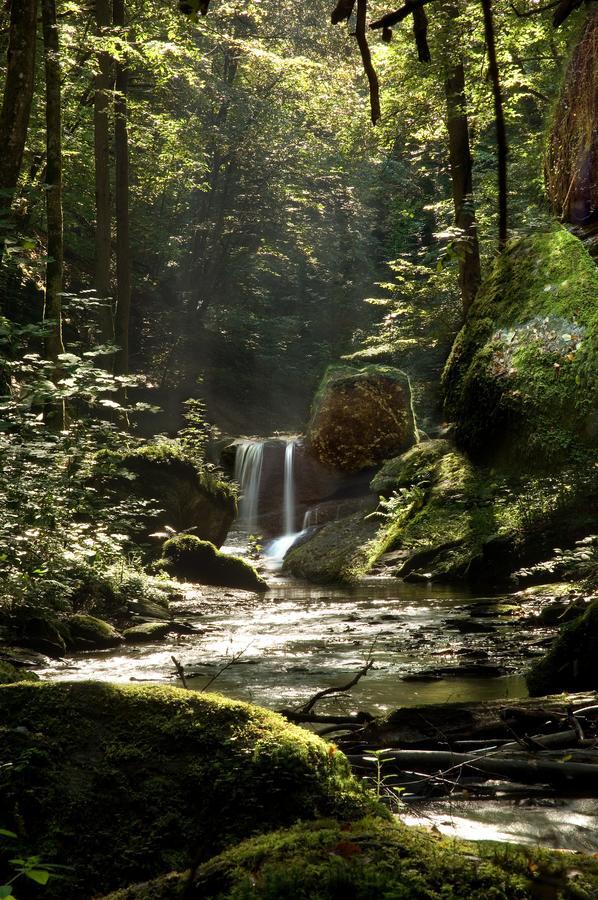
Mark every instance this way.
x=524 y=769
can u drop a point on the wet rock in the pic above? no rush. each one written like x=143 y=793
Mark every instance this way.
x=89 y=633
x=9 y=674
x=150 y=631
x=43 y=635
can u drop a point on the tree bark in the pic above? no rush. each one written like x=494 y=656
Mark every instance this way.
x=461 y=181
x=18 y=95
x=103 y=83
x=54 y=266
x=123 y=247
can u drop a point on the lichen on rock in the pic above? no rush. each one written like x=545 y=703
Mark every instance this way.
x=360 y=417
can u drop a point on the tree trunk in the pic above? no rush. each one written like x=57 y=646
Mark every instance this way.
x=18 y=95
x=123 y=248
x=54 y=266
x=461 y=180
x=103 y=83
x=499 y=119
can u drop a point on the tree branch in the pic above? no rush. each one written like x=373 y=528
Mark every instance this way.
x=342 y=10
x=366 y=56
x=399 y=15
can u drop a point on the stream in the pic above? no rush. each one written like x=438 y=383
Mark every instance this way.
x=430 y=644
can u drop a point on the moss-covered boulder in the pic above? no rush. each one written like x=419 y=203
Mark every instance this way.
x=10 y=674
x=338 y=551
x=146 y=632
x=522 y=378
x=125 y=783
x=361 y=417
x=90 y=633
x=189 y=498
x=417 y=466
x=572 y=662
x=371 y=859
x=185 y=556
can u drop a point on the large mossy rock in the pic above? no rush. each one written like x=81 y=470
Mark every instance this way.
x=360 y=417
x=572 y=662
x=522 y=378
x=185 y=556
x=189 y=498
x=126 y=783
x=372 y=859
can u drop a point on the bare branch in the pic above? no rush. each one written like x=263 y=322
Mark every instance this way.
x=180 y=671
x=536 y=10
x=399 y=15
x=366 y=56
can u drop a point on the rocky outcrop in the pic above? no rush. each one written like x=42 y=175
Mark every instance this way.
x=185 y=497
x=522 y=379
x=121 y=784
x=572 y=157
x=361 y=417
x=572 y=662
x=189 y=558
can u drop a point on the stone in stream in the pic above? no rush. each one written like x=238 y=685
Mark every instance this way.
x=185 y=556
x=147 y=632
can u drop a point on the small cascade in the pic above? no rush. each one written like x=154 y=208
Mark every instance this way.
x=277 y=549
x=248 y=473
x=289 y=489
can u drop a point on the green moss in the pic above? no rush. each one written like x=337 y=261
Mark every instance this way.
x=522 y=377
x=572 y=663
x=416 y=466
x=187 y=557
x=89 y=633
x=10 y=674
x=125 y=783
x=331 y=861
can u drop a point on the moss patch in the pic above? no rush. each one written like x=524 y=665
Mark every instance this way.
x=572 y=663
x=522 y=378
x=185 y=556
x=10 y=674
x=369 y=859
x=361 y=417
x=126 y=783
x=89 y=633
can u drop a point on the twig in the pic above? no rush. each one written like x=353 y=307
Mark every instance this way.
x=180 y=671
x=226 y=666
x=307 y=708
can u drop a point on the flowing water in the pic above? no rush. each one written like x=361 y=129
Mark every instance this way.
x=429 y=644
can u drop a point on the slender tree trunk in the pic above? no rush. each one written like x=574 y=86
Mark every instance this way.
x=123 y=248
x=103 y=84
x=18 y=95
x=461 y=181
x=54 y=266
x=499 y=118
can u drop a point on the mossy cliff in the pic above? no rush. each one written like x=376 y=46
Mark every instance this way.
x=521 y=385
x=522 y=378
x=187 y=496
x=572 y=662
x=371 y=859
x=126 y=783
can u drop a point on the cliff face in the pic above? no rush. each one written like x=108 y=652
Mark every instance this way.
x=572 y=157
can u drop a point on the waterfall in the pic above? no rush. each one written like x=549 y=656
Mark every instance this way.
x=248 y=472
x=289 y=489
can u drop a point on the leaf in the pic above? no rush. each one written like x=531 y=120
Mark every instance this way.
x=6 y=833
x=6 y=892
x=40 y=876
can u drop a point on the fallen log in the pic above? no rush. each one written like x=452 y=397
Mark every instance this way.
x=528 y=770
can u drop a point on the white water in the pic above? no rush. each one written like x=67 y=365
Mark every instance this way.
x=289 y=489
x=248 y=472
x=277 y=549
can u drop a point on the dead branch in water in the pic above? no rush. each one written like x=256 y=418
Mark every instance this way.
x=180 y=670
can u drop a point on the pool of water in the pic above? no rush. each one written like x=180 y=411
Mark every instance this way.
x=428 y=644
